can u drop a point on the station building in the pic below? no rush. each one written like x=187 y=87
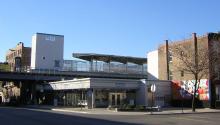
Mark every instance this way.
x=106 y=92
x=102 y=91
x=110 y=81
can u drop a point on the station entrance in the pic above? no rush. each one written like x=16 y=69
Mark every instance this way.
x=116 y=99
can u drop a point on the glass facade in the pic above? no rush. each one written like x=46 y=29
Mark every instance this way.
x=103 y=98
x=73 y=98
x=99 y=66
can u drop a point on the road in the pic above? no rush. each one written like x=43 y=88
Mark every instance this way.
x=22 y=116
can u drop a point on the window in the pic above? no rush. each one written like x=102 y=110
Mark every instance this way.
x=170 y=75
x=182 y=73
x=170 y=56
x=181 y=53
x=56 y=63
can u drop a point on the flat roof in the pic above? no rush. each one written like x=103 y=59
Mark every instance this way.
x=109 y=58
x=49 y=34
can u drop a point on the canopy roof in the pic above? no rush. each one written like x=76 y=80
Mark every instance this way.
x=110 y=58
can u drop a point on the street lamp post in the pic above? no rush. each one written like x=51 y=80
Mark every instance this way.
x=182 y=95
x=153 y=89
x=81 y=99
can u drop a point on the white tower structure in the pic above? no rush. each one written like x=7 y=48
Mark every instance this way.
x=47 y=51
x=152 y=65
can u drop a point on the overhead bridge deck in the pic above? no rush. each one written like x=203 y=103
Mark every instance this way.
x=59 y=75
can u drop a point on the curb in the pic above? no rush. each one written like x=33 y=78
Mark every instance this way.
x=36 y=107
x=122 y=113
x=61 y=110
x=180 y=113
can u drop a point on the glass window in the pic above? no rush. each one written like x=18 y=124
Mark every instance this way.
x=170 y=56
x=47 y=38
x=101 y=98
x=170 y=75
x=181 y=53
x=182 y=73
x=57 y=63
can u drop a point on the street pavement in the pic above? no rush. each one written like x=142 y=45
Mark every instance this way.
x=101 y=111
x=44 y=116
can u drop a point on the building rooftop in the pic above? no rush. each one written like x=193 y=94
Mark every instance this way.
x=109 y=58
x=50 y=34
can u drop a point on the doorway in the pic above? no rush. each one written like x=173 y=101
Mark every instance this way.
x=115 y=99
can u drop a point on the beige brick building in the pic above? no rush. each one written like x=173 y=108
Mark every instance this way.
x=21 y=52
x=167 y=62
x=167 y=69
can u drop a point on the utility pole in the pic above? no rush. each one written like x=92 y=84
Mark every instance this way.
x=167 y=59
x=196 y=67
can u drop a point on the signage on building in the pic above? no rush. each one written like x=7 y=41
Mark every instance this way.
x=185 y=89
x=153 y=88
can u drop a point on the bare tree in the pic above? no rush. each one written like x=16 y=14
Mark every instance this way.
x=191 y=59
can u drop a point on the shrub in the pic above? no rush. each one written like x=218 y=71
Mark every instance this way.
x=140 y=107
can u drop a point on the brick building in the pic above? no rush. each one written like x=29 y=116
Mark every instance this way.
x=167 y=61
x=18 y=59
x=210 y=81
x=19 y=56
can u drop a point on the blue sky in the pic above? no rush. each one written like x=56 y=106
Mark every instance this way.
x=119 y=27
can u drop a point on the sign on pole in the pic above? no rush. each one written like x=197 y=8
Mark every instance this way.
x=153 y=88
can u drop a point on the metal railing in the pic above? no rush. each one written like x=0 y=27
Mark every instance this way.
x=88 y=67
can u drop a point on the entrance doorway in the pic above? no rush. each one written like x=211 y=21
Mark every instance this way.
x=115 y=99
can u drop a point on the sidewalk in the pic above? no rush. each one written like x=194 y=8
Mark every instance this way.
x=104 y=111
x=170 y=111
